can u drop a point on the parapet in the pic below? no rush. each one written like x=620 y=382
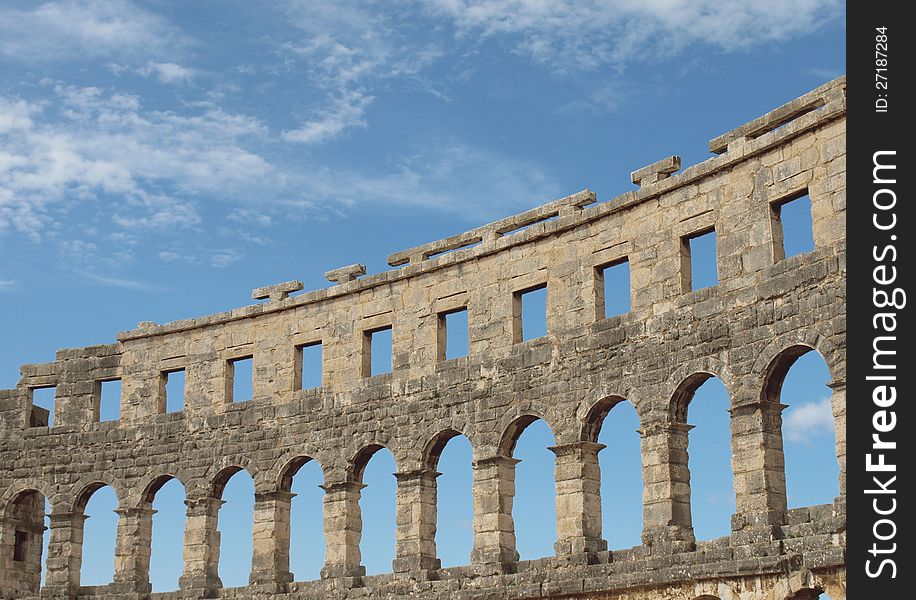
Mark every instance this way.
x=490 y=232
x=816 y=99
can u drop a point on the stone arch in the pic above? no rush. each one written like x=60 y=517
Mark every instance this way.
x=22 y=527
x=225 y=469
x=357 y=464
x=289 y=468
x=27 y=485
x=685 y=383
x=832 y=353
x=594 y=416
x=434 y=447
x=86 y=492
x=771 y=386
x=774 y=375
x=222 y=477
x=807 y=594
x=685 y=380
x=143 y=524
x=153 y=487
x=683 y=394
x=514 y=429
x=424 y=488
x=594 y=466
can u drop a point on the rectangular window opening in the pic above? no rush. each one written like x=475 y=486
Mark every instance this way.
x=793 y=230
x=308 y=366
x=452 y=334
x=698 y=260
x=529 y=313
x=173 y=391
x=240 y=374
x=20 y=542
x=42 y=412
x=612 y=288
x=109 y=400
x=377 y=351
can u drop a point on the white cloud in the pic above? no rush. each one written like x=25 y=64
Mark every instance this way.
x=807 y=420
x=84 y=144
x=86 y=29
x=585 y=34
x=167 y=72
x=346 y=111
x=7 y=284
x=346 y=51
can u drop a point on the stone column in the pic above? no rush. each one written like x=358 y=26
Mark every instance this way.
x=667 y=522
x=270 y=539
x=416 y=522
x=494 y=529
x=578 y=488
x=838 y=403
x=758 y=465
x=201 y=545
x=133 y=548
x=343 y=529
x=65 y=554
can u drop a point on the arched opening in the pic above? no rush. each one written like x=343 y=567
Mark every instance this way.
x=234 y=523
x=702 y=402
x=303 y=477
x=614 y=423
x=451 y=455
x=98 y=503
x=166 y=496
x=534 y=508
x=374 y=466
x=798 y=378
x=809 y=594
x=25 y=543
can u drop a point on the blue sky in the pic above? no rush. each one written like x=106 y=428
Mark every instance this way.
x=158 y=160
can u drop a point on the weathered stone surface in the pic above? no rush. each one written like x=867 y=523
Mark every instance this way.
x=764 y=313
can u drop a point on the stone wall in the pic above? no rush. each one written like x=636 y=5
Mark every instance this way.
x=764 y=313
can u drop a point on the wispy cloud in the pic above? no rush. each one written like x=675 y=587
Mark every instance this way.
x=85 y=144
x=77 y=30
x=586 y=34
x=346 y=51
x=167 y=72
x=7 y=284
x=808 y=420
x=118 y=282
x=345 y=112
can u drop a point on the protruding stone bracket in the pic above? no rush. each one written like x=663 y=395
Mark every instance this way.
x=345 y=274
x=493 y=231
x=661 y=169
x=832 y=92
x=278 y=291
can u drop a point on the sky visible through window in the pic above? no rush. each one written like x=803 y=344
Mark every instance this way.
x=164 y=174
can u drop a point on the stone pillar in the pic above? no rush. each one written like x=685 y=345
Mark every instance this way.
x=343 y=529
x=667 y=522
x=416 y=522
x=578 y=487
x=838 y=403
x=758 y=465
x=201 y=545
x=494 y=529
x=65 y=554
x=133 y=548
x=270 y=540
